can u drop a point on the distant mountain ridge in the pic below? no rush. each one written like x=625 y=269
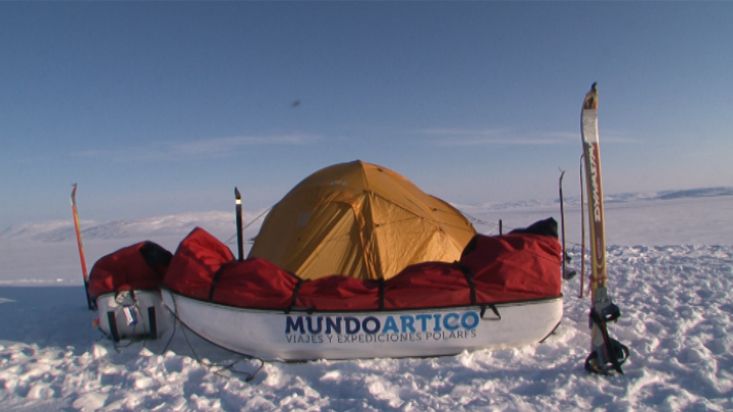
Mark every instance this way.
x=705 y=192
x=221 y=222
x=615 y=198
x=167 y=225
x=671 y=194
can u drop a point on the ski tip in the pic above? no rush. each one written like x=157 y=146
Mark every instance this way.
x=591 y=98
x=237 y=195
x=73 y=190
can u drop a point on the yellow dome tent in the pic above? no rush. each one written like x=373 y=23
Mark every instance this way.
x=361 y=220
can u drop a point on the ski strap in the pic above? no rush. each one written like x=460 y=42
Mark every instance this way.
x=614 y=352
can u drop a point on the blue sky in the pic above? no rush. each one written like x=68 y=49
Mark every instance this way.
x=164 y=107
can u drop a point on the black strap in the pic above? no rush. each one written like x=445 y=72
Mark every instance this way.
x=618 y=353
x=469 y=280
x=381 y=293
x=152 y=323
x=294 y=298
x=112 y=321
x=493 y=309
x=215 y=281
x=615 y=352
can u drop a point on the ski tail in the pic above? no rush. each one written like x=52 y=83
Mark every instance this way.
x=607 y=354
x=91 y=304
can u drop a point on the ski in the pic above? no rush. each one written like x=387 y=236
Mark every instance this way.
x=582 y=227
x=80 y=245
x=607 y=354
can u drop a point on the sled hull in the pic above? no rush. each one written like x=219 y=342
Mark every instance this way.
x=299 y=335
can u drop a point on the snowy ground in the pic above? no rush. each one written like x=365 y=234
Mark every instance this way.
x=670 y=260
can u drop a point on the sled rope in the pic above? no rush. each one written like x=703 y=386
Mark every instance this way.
x=233 y=237
x=213 y=367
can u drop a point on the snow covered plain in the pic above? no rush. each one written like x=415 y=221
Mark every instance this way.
x=671 y=270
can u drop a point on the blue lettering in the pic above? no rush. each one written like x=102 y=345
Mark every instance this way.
x=352 y=325
x=333 y=325
x=470 y=320
x=374 y=328
x=407 y=324
x=390 y=326
x=436 y=328
x=291 y=325
x=447 y=321
x=319 y=324
x=423 y=318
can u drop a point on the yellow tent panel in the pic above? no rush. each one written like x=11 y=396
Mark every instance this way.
x=361 y=220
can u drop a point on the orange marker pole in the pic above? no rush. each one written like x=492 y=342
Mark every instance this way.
x=80 y=245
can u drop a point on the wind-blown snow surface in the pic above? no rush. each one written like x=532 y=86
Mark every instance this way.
x=670 y=261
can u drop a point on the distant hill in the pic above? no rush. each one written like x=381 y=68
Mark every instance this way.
x=705 y=192
x=671 y=194
x=178 y=225
x=614 y=198
x=222 y=223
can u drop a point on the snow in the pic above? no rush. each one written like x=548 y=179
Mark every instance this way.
x=670 y=262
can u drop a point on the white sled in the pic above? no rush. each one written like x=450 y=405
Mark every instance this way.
x=132 y=314
x=299 y=335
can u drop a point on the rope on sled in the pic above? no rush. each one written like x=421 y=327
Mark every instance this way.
x=216 y=368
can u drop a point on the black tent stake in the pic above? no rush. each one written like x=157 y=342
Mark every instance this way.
x=238 y=208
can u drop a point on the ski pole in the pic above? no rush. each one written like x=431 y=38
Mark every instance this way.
x=565 y=273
